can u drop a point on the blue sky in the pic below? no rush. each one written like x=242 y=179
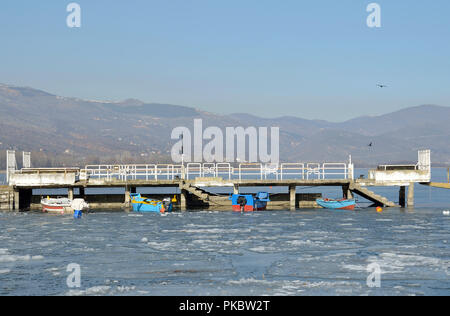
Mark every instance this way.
x=311 y=59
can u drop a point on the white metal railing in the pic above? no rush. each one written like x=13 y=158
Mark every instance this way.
x=133 y=172
x=243 y=171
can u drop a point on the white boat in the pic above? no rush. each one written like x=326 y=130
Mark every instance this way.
x=63 y=205
x=56 y=206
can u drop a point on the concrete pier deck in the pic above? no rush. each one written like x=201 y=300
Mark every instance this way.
x=196 y=193
x=194 y=183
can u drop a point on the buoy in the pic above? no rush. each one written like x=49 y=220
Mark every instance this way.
x=163 y=210
x=379 y=209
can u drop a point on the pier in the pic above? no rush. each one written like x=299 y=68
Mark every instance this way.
x=194 y=184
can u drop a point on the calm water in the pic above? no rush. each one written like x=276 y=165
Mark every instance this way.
x=308 y=252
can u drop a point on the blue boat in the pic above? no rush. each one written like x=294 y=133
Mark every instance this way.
x=249 y=202
x=144 y=205
x=343 y=204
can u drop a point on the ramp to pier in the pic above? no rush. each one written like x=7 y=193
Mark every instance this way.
x=371 y=196
x=205 y=196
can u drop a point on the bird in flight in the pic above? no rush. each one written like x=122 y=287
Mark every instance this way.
x=381 y=86
x=370 y=145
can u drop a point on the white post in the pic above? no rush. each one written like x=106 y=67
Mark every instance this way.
x=26 y=159
x=351 y=167
x=11 y=164
x=183 y=176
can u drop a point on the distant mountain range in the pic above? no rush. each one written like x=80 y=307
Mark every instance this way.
x=62 y=130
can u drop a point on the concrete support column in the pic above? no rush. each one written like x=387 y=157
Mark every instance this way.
x=402 y=197
x=411 y=195
x=292 y=197
x=235 y=189
x=128 y=196
x=16 y=200
x=11 y=200
x=346 y=193
x=183 y=200
x=70 y=193
x=128 y=192
x=82 y=193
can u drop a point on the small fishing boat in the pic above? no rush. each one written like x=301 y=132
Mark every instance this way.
x=250 y=202
x=62 y=205
x=56 y=205
x=343 y=204
x=144 y=205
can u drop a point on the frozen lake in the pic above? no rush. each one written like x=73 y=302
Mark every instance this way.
x=307 y=252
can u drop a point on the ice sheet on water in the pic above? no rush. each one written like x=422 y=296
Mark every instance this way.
x=294 y=287
x=209 y=231
x=173 y=246
x=264 y=249
x=15 y=258
x=308 y=243
x=409 y=227
x=201 y=253
x=392 y=263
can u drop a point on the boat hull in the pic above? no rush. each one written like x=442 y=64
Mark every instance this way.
x=348 y=205
x=60 y=210
x=56 y=206
x=143 y=205
x=249 y=203
x=145 y=208
x=62 y=206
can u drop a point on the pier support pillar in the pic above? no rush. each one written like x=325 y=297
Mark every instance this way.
x=127 y=197
x=16 y=200
x=235 y=189
x=128 y=192
x=346 y=193
x=183 y=200
x=82 y=193
x=411 y=195
x=70 y=193
x=11 y=200
x=292 y=197
x=402 y=197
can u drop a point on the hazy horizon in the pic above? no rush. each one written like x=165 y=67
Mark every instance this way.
x=224 y=113
x=314 y=60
